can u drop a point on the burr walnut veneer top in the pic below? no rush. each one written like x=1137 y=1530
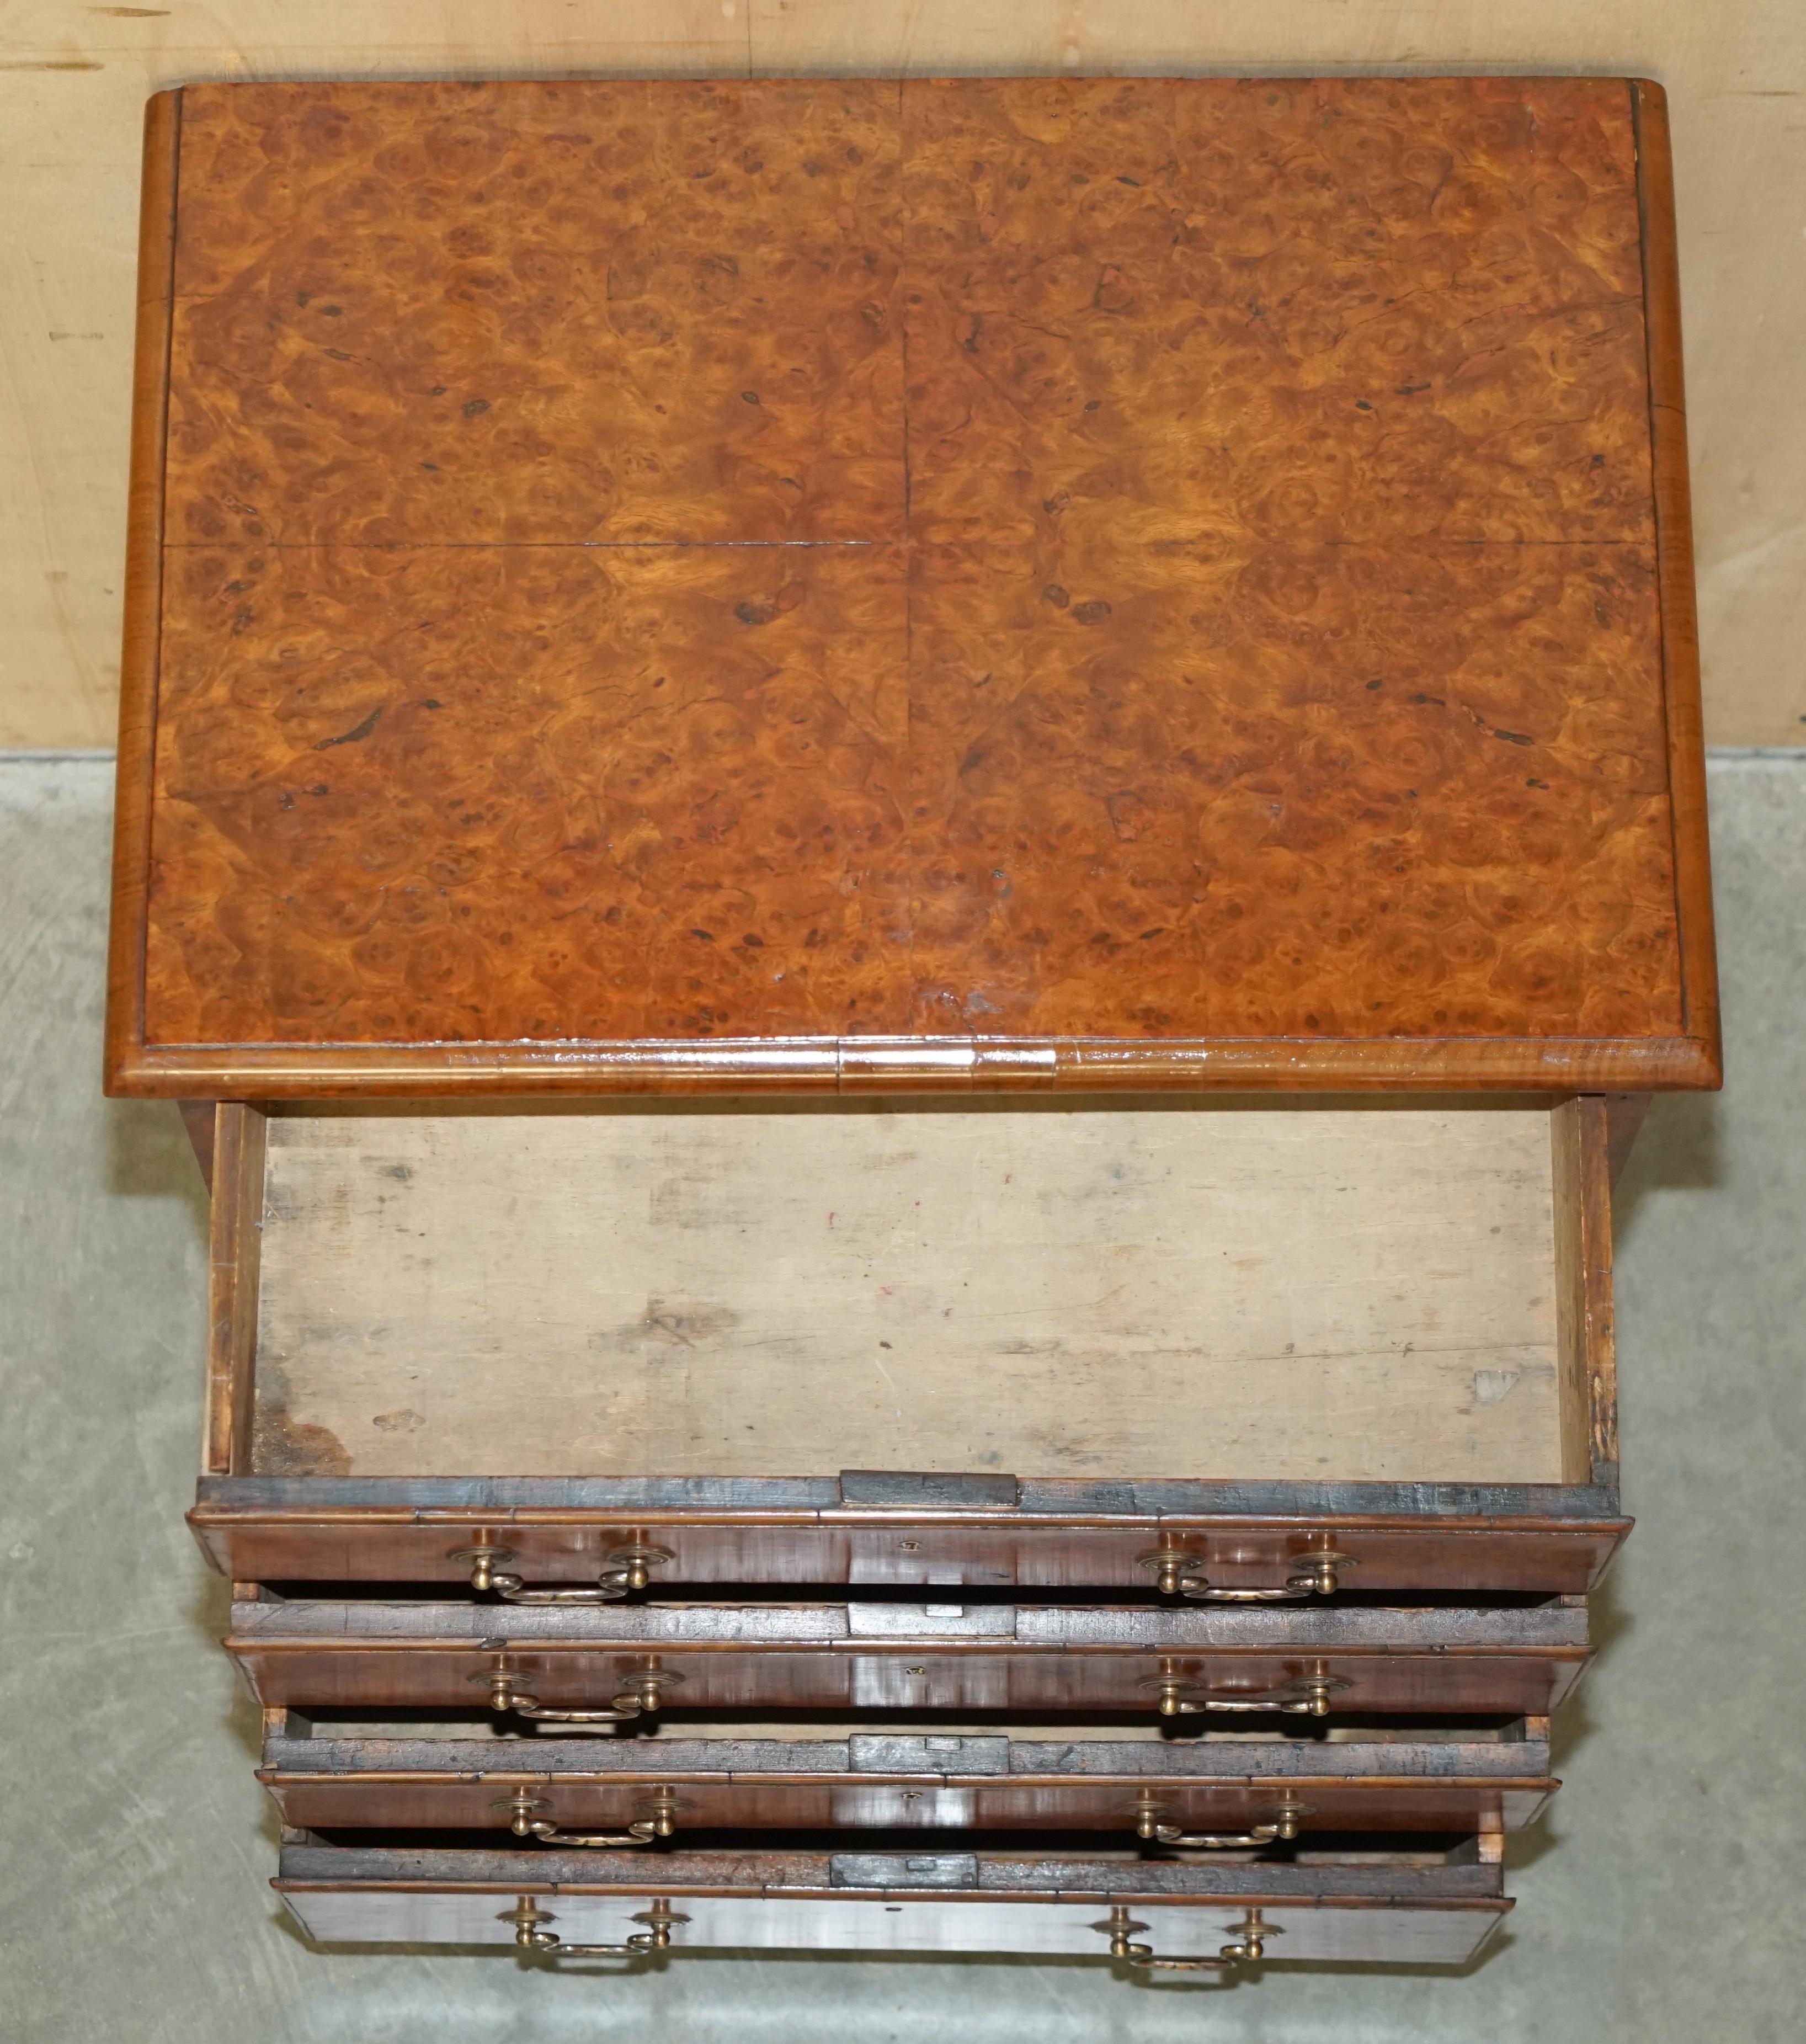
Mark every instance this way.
x=1086 y=582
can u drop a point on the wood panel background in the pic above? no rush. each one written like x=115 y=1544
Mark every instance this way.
x=73 y=80
x=1340 y=1296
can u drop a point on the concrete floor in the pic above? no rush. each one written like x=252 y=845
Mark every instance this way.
x=1658 y=1902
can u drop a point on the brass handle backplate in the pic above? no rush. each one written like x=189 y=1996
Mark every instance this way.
x=1248 y=1946
x=625 y=1572
x=1305 y=1696
x=1312 y=1573
x=641 y=1694
x=661 y=1823
x=527 y=1917
x=1149 y=1823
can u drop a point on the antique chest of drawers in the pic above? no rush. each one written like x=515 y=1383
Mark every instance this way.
x=911 y=854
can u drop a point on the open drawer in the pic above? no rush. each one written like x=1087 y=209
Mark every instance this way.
x=1228 y=1350
x=1424 y=1908
x=344 y=1772
x=578 y=1669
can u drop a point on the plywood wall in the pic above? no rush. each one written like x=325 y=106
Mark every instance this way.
x=73 y=78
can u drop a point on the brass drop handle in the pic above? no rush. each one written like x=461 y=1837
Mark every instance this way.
x=1149 y=1824
x=1309 y=1696
x=1250 y=1935
x=1248 y=1947
x=640 y=1695
x=527 y=1917
x=627 y=1571
x=642 y=1831
x=1311 y=1573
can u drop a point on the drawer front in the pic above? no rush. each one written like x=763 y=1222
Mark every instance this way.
x=1419 y=1934
x=1285 y=1351
x=1423 y=1908
x=902 y=1803
x=1437 y=1550
x=323 y=1779
x=903 y=1677
x=1218 y=1666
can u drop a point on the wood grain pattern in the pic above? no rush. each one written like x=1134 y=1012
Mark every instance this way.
x=1466 y=1873
x=477 y=1802
x=1439 y=1661
x=1584 y=1294
x=811 y=1625
x=234 y=1262
x=1077 y=593
x=1219 y=787
x=1408 y=1536
x=1125 y=1294
x=536 y=312
x=1348 y=310
x=1050 y=1530
x=672 y=1067
x=1674 y=562
x=913 y=1677
x=324 y=1781
x=540 y=779
x=1428 y=1912
x=134 y=787
x=78 y=77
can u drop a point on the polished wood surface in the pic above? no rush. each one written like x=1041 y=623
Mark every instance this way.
x=1674 y=560
x=326 y=1778
x=712 y=1803
x=134 y=785
x=1064 y=1536
x=73 y=89
x=1427 y=1909
x=1433 y=1661
x=984 y=581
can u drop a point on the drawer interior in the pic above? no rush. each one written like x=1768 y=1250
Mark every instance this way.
x=1387 y=1293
